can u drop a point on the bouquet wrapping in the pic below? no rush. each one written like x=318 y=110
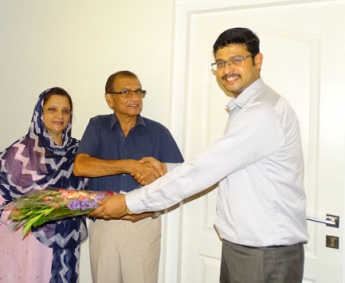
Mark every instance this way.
x=39 y=207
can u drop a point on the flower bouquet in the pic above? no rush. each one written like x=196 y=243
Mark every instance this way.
x=39 y=207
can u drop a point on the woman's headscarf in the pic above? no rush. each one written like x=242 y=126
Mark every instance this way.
x=36 y=162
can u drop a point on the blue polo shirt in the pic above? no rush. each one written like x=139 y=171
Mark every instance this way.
x=104 y=139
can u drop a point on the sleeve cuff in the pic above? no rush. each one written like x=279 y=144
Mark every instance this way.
x=133 y=202
x=171 y=166
x=4 y=219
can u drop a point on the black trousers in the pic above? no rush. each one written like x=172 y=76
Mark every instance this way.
x=241 y=264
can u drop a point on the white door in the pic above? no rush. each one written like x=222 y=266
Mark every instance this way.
x=303 y=46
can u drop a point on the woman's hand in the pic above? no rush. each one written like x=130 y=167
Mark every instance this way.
x=14 y=213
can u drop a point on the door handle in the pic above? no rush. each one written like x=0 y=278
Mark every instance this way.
x=331 y=220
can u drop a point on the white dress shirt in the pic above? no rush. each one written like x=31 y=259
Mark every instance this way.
x=258 y=164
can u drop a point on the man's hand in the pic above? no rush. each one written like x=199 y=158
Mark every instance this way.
x=113 y=207
x=159 y=166
x=147 y=172
x=160 y=169
x=136 y=217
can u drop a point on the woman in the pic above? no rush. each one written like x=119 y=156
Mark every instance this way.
x=41 y=159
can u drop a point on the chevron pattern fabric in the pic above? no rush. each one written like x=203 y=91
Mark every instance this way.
x=36 y=162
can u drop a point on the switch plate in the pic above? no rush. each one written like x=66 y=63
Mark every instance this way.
x=332 y=242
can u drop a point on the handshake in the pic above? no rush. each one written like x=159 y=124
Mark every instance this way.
x=147 y=170
x=144 y=171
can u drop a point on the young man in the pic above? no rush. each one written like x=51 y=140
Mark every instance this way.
x=258 y=163
x=110 y=150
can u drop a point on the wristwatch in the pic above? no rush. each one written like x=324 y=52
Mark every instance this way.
x=156 y=214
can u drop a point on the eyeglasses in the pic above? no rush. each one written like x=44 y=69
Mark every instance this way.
x=128 y=92
x=234 y=60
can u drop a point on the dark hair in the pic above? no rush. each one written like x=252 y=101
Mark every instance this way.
x=110 y=81
x=238 y=36
x=57 y=91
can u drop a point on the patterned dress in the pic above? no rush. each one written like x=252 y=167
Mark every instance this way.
x=51 y=252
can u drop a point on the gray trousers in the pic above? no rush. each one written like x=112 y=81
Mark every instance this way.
x=241 y=264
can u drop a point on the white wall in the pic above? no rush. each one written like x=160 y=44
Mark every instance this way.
x=77 y=45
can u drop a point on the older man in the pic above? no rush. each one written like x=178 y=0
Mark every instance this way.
x=109 y=153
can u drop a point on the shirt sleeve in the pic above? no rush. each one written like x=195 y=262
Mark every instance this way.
x=252 y=135
x=170 y=152
x=4 y=214
x=172 y=166
x=90 y=140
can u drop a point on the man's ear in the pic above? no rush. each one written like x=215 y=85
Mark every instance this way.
x=258 y=60
x=109 y=99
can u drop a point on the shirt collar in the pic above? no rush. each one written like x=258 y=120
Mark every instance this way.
x=245 y=95
x=114 y=121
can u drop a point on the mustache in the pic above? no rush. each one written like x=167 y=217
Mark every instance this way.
x=231 y=75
